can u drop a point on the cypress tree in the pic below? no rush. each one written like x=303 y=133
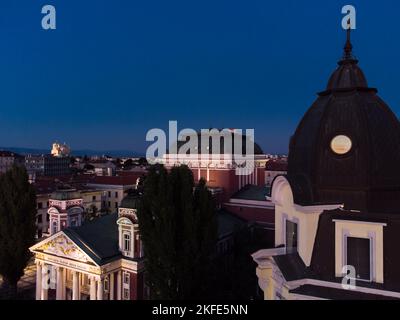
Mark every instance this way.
x=17 y=225
x=179 y=231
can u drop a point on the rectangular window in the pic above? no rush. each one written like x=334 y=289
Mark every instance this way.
x=40 y=205
x=127 y=242
x=291 y=236
x=359 y=256
x=73 y=222
x=126 y=278
x=126 y=294
x=109 y=194
x=116 y=194
x=93 y=198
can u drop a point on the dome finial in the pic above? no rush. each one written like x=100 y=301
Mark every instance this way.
x=348 y=46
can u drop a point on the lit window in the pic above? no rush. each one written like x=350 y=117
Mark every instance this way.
x=341 y=144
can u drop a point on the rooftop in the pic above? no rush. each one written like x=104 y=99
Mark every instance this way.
x=97 y=238
x=337 y=294
x=228 y=223
x=252 y=192
x=276 y=165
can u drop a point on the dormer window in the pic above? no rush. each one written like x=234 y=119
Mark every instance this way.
x=127 y=241
x=359 y=256
x=55 y=227
x=291 y=236
x=126 y=236
x=359 y=244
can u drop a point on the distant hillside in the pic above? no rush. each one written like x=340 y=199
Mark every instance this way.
x=88 y=152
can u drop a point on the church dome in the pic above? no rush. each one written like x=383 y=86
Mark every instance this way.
x=346 y=148
x=348 y=74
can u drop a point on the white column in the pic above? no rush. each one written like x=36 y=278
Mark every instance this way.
x=64 y=291
x=60 y=284
x=38 y=280
x=75 y=286
x=111 y=286
x=45 y=284
x=100 y=289
x=119 y=279
x=92 y=288
x=80 y=279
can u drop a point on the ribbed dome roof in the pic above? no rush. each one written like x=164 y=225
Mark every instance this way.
x=346 y=148
x=347 y=75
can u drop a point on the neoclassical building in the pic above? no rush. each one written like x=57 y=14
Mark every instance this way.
x=97 y=260
x=337 y=211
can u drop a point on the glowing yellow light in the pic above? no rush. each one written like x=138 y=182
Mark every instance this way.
x=341 y=144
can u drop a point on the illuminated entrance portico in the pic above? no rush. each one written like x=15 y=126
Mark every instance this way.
x=91 y=261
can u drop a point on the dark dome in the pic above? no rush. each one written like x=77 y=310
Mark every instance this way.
x=347 y=75
x=346 y=148
x=65 y=193
x=245 y=140
x=131 y=200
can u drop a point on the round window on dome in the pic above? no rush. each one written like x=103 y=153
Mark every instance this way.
x=341 y=144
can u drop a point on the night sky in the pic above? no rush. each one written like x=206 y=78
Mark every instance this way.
x=115 y=69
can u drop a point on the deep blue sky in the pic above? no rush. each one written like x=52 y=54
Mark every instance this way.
x=115 y=69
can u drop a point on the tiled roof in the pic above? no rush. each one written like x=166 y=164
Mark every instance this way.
x=292 y=267
x=252 y=192
x=276 y=165
x=337 y=294
x=97 y=238
x=113 y=180
x=228 y=223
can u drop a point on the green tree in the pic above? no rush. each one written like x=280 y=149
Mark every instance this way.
x=17 y=225
x=128 y=164
x=91 y=213
x=179 y=231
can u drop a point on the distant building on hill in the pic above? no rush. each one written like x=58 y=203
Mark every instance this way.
x=60 y=150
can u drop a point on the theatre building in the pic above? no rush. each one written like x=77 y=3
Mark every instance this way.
x=97 y=260
x=337 y=211
x=218 y=167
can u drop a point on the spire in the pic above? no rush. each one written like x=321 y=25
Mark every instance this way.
x=348 y=47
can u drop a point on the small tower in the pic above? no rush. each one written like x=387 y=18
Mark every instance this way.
x=130 y=243
x=65 y=209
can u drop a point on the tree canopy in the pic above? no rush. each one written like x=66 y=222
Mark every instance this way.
x=179 y=231
x=17 y=223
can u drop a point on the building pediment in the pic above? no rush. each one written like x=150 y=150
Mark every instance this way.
x=62 y=246
x=124 y=221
